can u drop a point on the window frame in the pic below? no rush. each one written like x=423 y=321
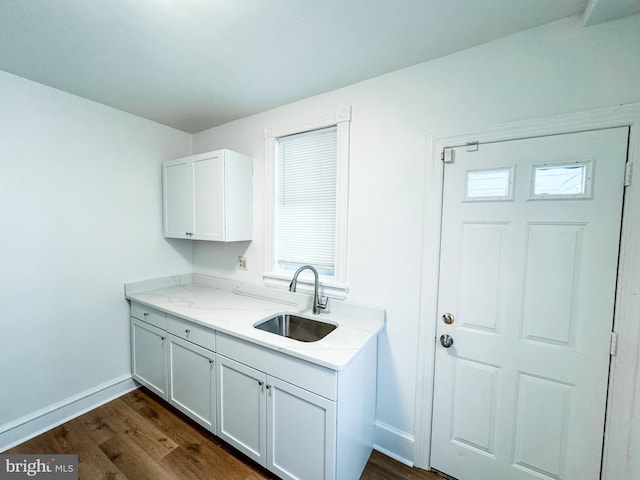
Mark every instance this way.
x=335 y=286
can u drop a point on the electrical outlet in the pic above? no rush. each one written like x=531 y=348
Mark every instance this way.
x=242 y=263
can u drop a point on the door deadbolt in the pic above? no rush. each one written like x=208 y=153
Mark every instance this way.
x=446 y=340
x=447 y=318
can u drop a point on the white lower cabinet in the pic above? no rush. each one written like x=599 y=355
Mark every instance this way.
x=192 y=381
x=287 y=429
x=148 y=356
x=168 y=356
x=241 y=408
x=301 y=432
x=300 y=420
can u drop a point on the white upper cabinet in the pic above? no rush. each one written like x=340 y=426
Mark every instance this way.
x=208 y=197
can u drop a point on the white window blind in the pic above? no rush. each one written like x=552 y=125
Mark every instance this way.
x=305 y=201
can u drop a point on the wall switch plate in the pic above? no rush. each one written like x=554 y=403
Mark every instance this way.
x=242 y=263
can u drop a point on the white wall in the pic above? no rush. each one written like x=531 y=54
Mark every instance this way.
x=557 y=68
x=80 y=215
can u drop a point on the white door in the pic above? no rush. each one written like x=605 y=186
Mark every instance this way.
x=528 y=268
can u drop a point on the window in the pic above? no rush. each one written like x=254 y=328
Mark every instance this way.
x=493 y=184
x=561 y=180
x=305 y=201
x=307 y=170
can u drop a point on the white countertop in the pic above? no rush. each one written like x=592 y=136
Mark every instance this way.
x=234 y=308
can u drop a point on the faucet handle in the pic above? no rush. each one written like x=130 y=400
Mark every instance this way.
x=323 y=304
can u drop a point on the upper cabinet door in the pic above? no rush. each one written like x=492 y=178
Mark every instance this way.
x=209 y=197
x=177 y=206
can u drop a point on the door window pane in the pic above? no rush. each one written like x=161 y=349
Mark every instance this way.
x=494 y=184
x=569 y=180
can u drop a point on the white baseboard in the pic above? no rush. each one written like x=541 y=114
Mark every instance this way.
x=394 y=443
x=32 y=425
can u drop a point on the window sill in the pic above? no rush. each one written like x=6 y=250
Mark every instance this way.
x=333 y=290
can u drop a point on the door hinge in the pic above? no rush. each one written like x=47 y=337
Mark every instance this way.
x=628 y=173
x=613 y=346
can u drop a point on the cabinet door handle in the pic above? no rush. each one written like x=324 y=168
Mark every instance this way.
x=162 y=338
x=210 y=362
x=261 y=383
x=187 y=331
x=146 y=314
x=268 y=386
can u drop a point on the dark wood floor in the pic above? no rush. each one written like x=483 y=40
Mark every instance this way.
x=137 y=437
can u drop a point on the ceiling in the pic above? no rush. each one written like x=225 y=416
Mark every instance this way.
x=195 y=64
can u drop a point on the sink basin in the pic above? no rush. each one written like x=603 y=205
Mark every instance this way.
x=294 y=326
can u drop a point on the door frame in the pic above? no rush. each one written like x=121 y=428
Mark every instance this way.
x=622 y=426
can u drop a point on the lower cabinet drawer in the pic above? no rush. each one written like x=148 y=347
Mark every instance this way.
x=194 y=333
x=149 y=315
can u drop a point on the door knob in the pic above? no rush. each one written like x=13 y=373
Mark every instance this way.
x=447 y=318
x=446 y=340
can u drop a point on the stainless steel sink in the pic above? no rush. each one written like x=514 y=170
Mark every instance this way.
x=294 y=326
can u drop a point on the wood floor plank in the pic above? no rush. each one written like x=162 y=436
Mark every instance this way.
x=72 y=438
x=123 y=420
x=195 y=466
x=99 y=426
x=95 y=465
x=167 y=420
x=381 y=467
x=133 y=461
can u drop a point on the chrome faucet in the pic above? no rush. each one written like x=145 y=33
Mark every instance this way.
x=318 y=303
